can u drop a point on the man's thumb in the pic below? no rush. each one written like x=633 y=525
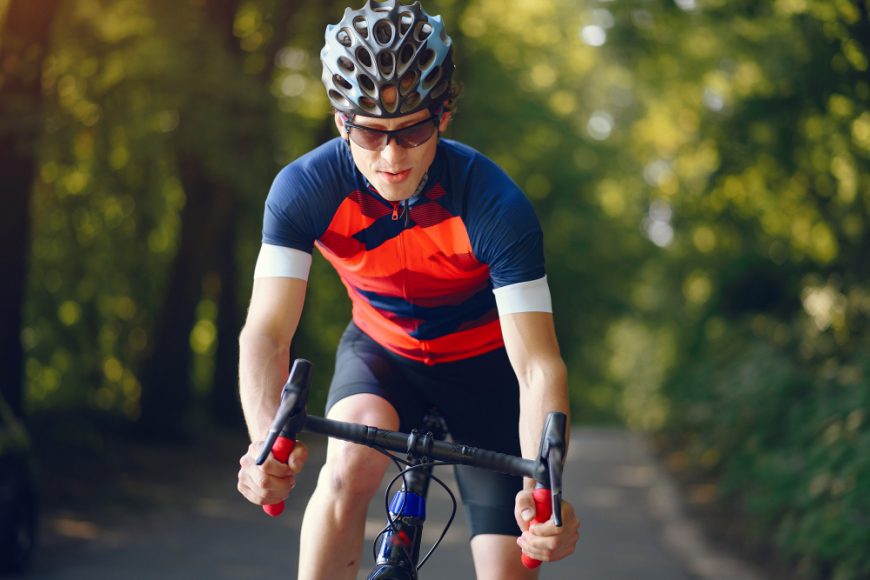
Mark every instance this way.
x=525 y=510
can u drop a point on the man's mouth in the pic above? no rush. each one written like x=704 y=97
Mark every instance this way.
x=395 y=176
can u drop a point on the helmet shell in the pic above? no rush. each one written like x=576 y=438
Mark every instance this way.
x=386 y=60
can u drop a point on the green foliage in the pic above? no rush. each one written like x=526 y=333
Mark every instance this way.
x=788 y=442
x=750 y=137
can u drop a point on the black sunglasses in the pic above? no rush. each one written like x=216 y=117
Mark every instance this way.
x=378 y=139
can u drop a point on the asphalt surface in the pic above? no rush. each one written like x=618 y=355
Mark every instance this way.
x=182 y=518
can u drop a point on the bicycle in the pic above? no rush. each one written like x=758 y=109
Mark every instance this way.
x=397 y=547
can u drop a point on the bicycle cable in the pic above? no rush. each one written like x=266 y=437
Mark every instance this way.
x=392 y=522
x=399 y=462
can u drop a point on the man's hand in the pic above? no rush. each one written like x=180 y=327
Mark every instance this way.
x=271 y=482
x=543 y=540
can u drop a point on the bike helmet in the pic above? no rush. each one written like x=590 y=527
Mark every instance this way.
x=386 y=60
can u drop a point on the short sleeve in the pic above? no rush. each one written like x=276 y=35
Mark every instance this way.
x=286 y=219
x=305 y=195
x=502 y=225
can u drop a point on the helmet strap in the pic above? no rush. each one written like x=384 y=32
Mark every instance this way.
x=437 y=111
x=344 y=118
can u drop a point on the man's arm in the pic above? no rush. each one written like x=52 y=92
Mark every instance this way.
x=264 y=353
x=264 y=348
x=530 y=340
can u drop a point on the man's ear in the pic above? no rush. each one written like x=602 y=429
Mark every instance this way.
x=339 y=124
x=445 y=121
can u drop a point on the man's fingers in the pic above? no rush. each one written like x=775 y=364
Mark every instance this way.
x=275 y=468
x=271 y=482
x=272 y=466
x=524 y=509
x=546 y=542
x=544 y=529
x=532 y=550
x=545 y=549
x=261 y=489
x=298 y=457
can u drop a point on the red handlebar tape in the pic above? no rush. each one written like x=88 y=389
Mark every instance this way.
x=543 y=511
x=281 y=451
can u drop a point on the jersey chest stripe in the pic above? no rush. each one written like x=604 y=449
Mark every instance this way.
x=428 y=214
x=376 y=225
x=429 y=290
x=356 y=213
x=442 y=251
x=472 y=307
x=455 y=346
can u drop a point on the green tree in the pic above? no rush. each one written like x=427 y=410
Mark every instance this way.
x=24 y=42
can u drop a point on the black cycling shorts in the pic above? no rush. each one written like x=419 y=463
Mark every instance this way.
x=478 y=398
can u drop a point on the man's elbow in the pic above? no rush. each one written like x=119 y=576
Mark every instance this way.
x=258 y=340
x=546 y=373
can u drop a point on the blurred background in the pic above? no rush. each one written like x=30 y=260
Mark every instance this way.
x=701 y=169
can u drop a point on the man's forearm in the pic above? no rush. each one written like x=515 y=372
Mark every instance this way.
x=543 y=391
x=263 y=369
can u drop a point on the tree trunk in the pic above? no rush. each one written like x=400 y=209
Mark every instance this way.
x=166 y=389
x=166 y=393
x=25 y=41
x=225 y=405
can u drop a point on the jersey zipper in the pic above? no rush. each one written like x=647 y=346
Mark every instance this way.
x=402 y=262
x=396 y=215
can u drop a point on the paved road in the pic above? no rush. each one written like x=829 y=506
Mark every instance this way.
x=632 y=524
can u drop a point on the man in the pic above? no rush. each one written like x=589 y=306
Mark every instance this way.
x=442 y=258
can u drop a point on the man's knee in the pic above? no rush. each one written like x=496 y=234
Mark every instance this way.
x=351 y=471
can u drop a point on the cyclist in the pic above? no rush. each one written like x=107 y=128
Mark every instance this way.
x=442 y=258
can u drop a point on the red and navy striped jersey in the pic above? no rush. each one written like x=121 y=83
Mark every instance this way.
x=420 y=282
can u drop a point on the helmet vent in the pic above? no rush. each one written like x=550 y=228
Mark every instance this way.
x=342 y=82
x=387 y=64
x=405 y=22
x=346 y=64
x=426 y=58
x=409 y=81
x=390 y=98
x=361 y=26
x=368 y=105
x=384 y=32
x=440 y=90
x=367 y=84
x=339 y=100
x=363 y=57
x=406 y=55
x=422 y=31
x=432 y=78
x=343 y=37
x=410 y=102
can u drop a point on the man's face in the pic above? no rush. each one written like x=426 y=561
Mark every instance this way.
x=396 y=171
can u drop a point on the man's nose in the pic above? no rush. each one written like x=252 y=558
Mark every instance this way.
x=393 y=151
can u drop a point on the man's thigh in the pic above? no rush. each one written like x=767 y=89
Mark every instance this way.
x=364 y=367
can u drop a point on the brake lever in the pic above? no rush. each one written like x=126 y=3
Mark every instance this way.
x=289 y=420
x=556 y=468
x=548 y=492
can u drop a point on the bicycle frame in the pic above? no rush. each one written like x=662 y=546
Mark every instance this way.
x=398 y=554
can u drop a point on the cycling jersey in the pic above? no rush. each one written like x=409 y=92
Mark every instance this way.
x=420 y=274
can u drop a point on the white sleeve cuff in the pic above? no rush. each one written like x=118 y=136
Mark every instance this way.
x=281 y=262
x=532 y=296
